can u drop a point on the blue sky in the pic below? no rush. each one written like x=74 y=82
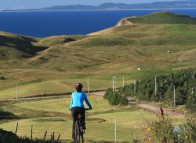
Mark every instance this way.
x=27 y=4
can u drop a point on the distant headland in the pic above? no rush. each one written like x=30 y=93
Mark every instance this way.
x=187 y=4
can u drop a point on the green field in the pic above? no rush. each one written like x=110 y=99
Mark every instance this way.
x=53 y=115
x=54 y=87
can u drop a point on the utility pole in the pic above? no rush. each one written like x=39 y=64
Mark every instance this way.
x=174 y=96
x=115 y=129
x=114 y=83
x=194 y=74
x=155 y=89
x=16 y=91
x=192 y=91
x=88 y=85
x=135 y=87
x=123 y=81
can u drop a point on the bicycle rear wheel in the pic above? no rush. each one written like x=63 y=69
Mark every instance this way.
x=78 y=134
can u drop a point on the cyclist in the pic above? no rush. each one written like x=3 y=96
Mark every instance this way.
x=77 y=106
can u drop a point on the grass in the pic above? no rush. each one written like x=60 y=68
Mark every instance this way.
x=55 y=87
x=63 y=105
x=52 y=115
x=163 y=18
x=118 y=51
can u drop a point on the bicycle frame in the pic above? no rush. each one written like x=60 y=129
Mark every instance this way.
x=78 y=131
x=78 y=137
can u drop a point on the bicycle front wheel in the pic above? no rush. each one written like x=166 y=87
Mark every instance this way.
x=78 y=134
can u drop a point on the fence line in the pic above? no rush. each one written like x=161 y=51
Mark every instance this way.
x=52 y=139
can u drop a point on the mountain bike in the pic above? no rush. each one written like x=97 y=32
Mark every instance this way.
x=78 y=130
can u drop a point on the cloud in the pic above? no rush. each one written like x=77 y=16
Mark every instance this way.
x=18 y=7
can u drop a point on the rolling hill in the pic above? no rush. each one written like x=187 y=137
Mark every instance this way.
x=155 y=43
x=163 y=18
x=16 y=46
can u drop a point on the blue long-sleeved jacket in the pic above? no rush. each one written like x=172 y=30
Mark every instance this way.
x=77 y=99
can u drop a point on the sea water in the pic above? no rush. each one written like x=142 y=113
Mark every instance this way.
x=50 y=23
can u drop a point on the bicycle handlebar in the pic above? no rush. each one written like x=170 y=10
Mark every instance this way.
x=85 y=109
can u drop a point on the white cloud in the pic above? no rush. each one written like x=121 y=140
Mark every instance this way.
x=18 y=7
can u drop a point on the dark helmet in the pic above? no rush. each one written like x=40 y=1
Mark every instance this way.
x=78 y=86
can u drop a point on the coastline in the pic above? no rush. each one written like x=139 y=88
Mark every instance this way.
x=68 y=21
x=45 y=10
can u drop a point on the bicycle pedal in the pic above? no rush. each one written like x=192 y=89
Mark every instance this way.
x=83 y=131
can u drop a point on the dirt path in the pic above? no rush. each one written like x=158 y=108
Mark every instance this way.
x=101 y=93
x=155 y=108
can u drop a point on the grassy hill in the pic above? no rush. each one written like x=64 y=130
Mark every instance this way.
x=17 y=46
x=55 y=64
x=163 y=18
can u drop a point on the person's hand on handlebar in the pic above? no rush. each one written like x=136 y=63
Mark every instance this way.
x=88 y=108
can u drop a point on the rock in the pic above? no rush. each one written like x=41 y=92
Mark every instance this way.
x=124 y=22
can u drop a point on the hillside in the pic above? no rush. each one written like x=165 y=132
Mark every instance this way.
x=54 y=64
x=17 y=46
x=163 y=18
x=123 y=6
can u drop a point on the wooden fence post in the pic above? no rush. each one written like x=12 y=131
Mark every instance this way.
x=31 y=132
x=45 y=136
x=58 y=138
x=16 y=129
x=52 y=137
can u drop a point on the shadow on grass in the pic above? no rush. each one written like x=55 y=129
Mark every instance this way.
x=23 y=44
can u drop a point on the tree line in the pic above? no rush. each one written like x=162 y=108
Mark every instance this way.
x=179 y=87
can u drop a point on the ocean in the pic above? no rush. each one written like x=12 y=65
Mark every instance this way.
x=52 y=23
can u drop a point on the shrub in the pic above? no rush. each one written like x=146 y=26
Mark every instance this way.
x=115 y=98
x=163 y=131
